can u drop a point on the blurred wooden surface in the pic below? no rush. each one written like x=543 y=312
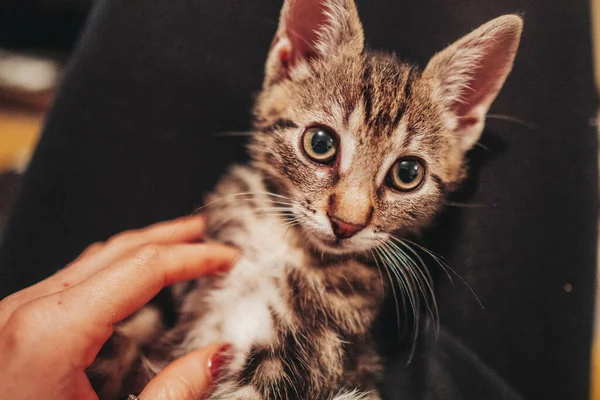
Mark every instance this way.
x=19 y=131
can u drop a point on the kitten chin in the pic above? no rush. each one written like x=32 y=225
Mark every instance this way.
x=336 y=246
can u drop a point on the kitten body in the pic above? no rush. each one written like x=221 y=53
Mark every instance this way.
x=299 y=323
x=352 y=151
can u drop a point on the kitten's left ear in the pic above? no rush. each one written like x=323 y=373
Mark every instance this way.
x=312 y=29
x=467 y=76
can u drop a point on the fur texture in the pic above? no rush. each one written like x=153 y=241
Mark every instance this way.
x=318 y=237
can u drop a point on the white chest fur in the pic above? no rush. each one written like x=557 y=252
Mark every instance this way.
x=241 y=311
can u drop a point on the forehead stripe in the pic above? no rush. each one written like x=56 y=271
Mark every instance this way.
x=410 y=77
x=367 y=94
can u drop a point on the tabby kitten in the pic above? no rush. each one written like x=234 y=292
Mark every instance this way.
x=353 y=150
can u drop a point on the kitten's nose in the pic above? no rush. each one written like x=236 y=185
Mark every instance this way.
x=344 y=230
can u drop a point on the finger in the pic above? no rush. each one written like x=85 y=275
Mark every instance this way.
x=182 y=230
x=100 y=255
x=190 y=377
x=117 y=291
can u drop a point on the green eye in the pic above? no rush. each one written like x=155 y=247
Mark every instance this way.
x=407 y=174
x=319 y=145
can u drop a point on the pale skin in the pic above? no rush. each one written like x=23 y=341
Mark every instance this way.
x=52 y=331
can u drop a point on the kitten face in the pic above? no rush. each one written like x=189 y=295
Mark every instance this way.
x=377 y=113
x=365 y=145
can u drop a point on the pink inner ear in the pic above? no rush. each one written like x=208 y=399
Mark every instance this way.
x=303 y=21
x=487 y=80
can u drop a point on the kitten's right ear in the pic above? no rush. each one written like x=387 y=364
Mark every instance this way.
x=467 y=76
x=310 y=29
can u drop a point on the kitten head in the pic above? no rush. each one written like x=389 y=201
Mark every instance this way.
x=364 y=144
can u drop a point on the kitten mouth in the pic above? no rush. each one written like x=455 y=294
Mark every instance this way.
x=328 y=242
x=332 y=245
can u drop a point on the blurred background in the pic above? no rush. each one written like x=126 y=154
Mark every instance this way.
x=36 y=39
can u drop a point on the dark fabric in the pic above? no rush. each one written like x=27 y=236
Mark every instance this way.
x=442 y=367
x=45 y=26
x=132 y=140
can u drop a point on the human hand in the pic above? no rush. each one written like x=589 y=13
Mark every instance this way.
x=52 y=331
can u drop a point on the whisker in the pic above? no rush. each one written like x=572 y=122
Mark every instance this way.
x=280 y=224
x=438 y=259
x=469 y=205
x=282 y=202
x=403 y=280
x=378 y=269
x=444 y=265
x=404 y=277
x=414 y=253
x=235 y=133
x=274 y=209
x=422 y=275
x=377 y=250
x=478 y=144
x=234 y=195
x=282 y=214
x=407 y=283
x=515 y=120
x=289 y=227
x=271 y=194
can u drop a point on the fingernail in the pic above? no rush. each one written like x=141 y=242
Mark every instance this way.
x=219 y=360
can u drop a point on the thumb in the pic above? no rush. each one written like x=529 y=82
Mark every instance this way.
x=189 y=377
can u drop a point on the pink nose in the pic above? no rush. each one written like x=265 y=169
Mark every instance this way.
x=344 y=230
